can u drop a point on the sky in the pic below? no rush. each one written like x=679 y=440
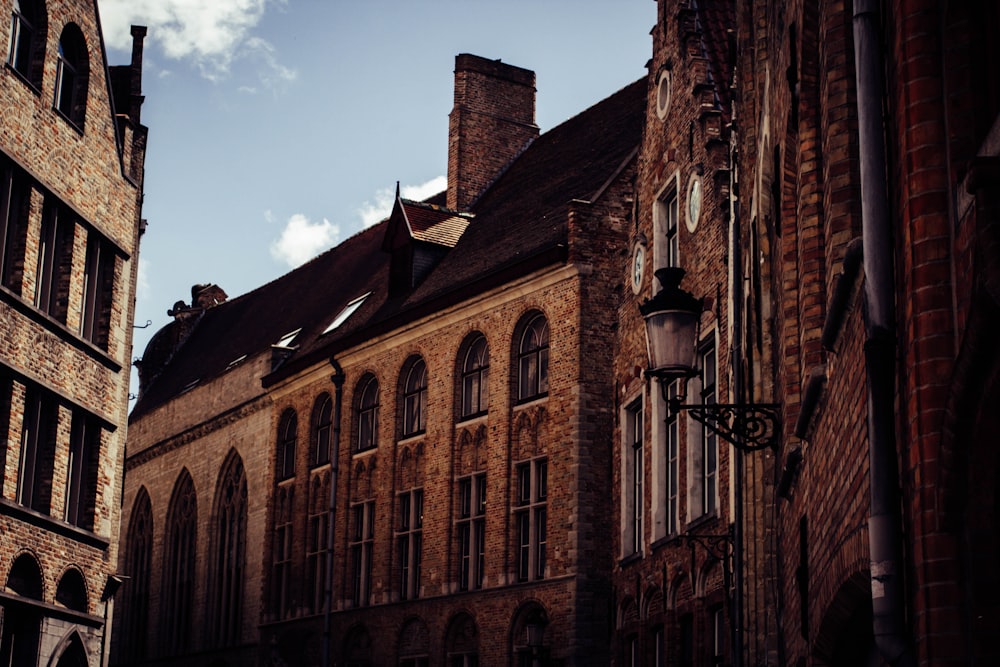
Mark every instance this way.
x=278 y=128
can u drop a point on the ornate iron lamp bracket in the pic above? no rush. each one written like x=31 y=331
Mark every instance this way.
x=749 y=427
x=717 y=546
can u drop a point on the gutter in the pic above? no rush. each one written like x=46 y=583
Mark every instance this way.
x=337 y=378
x=885 y=531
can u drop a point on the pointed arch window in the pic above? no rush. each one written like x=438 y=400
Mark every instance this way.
x=179 y=566
x=475 y=378
x=139 y=554
x=415 y=399
x=322 y=421
x=533 y=359
x=287 y=435
x=229 y=554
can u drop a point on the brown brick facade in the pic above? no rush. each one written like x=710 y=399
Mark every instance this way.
x=72 y=188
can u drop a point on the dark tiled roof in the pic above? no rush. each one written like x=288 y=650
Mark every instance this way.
x=519 y=221
x=434 y=224
x=718 y=19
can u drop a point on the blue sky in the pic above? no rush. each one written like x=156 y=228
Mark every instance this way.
x=278 y=128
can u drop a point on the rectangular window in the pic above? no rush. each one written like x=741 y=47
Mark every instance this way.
x=632 y=480
x=409 y=540
x=710 y=441
x=530 y=518
x=55 y=257
x=665 y=221
x=718 y=620
x=316 y=539
x=98 y=285
x=673 y=466
x=360 y=548
x=81 y=475
x=471 y=531
x=34 y=474
x=282 y=568
x=14 y=196
x=658 y=648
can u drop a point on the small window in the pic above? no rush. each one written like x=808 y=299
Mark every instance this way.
x=71 y=76
x=415 y=399
x=81 y=474
x=27 y=40
x=14 y=199
x=665 y=217
x=530 y=518
x=55 y=263
x=710 y=441
x=475 y=378
x=287 y=435
x=663 y=94
x=98 y=287
x=368 y=415
x=345 y=313
x=533 y=359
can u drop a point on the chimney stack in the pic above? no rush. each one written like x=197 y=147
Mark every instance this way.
x=493 y=120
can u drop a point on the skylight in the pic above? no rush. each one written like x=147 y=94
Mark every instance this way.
x=346 y=312
x=286 y=340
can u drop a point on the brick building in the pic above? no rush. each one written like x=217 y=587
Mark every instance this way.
x=868 y=142
x=420 y=413
x=674 y=510
x=72 y=149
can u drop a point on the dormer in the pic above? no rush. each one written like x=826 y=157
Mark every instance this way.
x=417 y=237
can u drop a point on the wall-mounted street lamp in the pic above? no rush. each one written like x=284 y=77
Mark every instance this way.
x=672 y=316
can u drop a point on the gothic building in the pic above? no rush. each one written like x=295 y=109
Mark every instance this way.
x=72 y=149
x=399 y=452
x=674 y=505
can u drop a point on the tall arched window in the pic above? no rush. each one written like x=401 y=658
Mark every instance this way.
x=533 y=359
x=179 y=563
x=22 y=624
x=72 y=74
x=287 y=434
x=415 y=399
x=228 y=554
x=139 y=554
x=475 y=378
x=368 y=414
x=27 y=39
x=322 y=420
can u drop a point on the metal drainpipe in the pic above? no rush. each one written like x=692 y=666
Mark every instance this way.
x=885 y=521
x=338 y=384
x=736 y=354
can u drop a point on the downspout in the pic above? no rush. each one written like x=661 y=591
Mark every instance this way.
x=736 y=355
x=338 y=383
x=885 y=521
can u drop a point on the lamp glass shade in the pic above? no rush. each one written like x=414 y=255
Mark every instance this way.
x=534 y=634
x=670 y=341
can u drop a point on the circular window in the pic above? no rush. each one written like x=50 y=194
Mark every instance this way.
x=693 y=202
x=663 y=94
x=638 y=267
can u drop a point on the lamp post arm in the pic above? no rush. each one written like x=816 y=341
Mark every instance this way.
x=749 y=427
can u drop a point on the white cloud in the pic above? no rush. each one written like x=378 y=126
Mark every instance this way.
x=372 y=212
x=212 y=34
x=302 y=239
x=142 y=279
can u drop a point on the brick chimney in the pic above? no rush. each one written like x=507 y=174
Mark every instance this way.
x=492 y=121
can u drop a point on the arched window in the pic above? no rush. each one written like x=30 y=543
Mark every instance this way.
x=74 y=654
x=287 y=434
x=415 y=399
x=22 y=624
x=179 y=563
x=368 y=414
x=138 y=554
x=322 y=420
x=228 y=554
x=72 y=74
x=462 y=641
x=533 y=359
x=72 y=591
x=475 y=378
x=27 y=39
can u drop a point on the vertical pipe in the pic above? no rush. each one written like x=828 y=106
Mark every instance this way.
x=338 y=384
x=885 y=521
x=736 y=356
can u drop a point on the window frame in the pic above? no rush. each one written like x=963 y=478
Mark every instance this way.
x=533 y=359
x=708 y=395
x=531 y=519
x=69 y=98
x=322 y=426
x=367 y=414
x=55 y=259
x=471 y=530
x=98 y=290
x=474 y=389
x=81 y=471
x=415 y=399
x=288 y=435
x=360 y=545
x=666 y=225
x=409 y=542
x=633 y=479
